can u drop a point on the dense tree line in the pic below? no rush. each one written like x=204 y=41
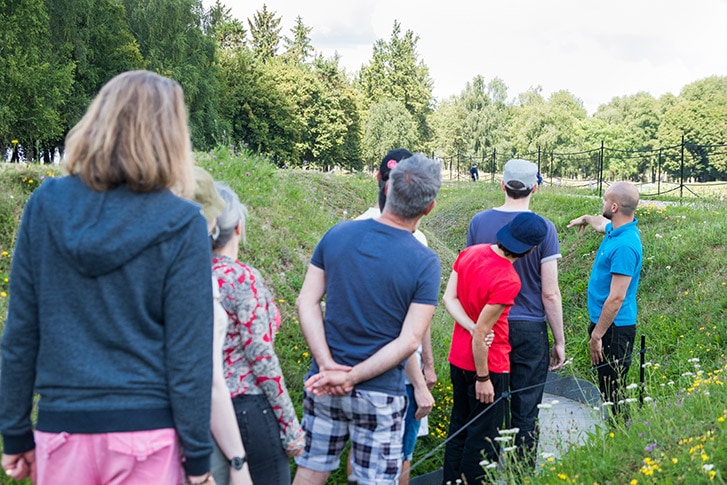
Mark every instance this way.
x=249 y=83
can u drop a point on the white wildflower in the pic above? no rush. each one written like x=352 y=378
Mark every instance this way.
x=509 y=448
x=509 y=431
x=632 y=386
x=648 y=399
x=658 y=236
x=607 y=403
x=707 y=467
x=544 y=405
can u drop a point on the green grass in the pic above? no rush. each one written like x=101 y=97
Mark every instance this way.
x=682 y=306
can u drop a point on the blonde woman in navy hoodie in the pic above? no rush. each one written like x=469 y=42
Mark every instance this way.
x=110 y=311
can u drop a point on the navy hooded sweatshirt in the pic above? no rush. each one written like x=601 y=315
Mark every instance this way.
x=109 y=318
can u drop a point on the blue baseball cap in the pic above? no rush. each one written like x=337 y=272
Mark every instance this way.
x=522 y=233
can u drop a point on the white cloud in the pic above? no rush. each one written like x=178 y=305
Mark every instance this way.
x=595 y=50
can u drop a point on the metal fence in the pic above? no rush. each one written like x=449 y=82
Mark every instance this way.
x=686 y=169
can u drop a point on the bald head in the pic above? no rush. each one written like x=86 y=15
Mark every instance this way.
x=625 y=195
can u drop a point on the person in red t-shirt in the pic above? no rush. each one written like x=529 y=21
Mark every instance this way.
x=481 y=289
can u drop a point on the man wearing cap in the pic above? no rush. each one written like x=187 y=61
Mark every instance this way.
x=375 y=319
x=612 y=287
x=479 y=374
x=420 y=399
x=539 y=301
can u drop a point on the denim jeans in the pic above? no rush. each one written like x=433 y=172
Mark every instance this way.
x=463 y=452
x=618 y=343
x=529 y=359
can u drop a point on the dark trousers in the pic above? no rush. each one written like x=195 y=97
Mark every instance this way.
x=529 y=359
x=618 y=343
x=268 y=462
x=463 y=452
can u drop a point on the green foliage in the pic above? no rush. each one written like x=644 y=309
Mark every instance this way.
x=94 y=35
x=34 y=82
x=299 y=48
x=170 y=37
x=228 y=32
x=388 y=125
x=265 y=34
x=396 y=72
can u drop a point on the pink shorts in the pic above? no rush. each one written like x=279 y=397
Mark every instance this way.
x=130 y=458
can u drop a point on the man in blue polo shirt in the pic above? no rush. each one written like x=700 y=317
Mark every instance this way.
x=612 y=287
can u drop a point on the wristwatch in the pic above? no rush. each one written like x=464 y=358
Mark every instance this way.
x=238 y=462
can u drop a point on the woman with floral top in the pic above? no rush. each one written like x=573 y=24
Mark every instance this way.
x=265 y=413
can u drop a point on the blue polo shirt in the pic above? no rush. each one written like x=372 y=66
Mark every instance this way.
x=620 y=253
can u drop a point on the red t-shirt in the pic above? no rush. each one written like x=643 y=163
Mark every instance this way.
x=483 y=277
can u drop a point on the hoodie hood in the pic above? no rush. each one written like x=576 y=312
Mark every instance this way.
x=92 y=229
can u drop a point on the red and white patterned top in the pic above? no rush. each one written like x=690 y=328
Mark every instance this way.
x=249 y=360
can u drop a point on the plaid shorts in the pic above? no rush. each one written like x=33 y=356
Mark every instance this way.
x=373 y=421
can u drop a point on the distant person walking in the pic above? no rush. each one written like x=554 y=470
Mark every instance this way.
x=537 y=305
x=612 y=288
x=474 y=173
x=110 y=317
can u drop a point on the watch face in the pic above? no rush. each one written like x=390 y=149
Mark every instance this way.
x=237 y=463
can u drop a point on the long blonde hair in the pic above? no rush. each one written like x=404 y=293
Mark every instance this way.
x=134 y=132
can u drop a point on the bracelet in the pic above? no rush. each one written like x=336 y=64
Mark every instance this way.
x=484 y=378
x=206 y=479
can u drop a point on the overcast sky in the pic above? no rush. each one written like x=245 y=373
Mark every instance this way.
x=596 y=50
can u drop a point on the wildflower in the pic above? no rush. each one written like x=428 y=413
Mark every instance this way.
x=632 y=386
x=562 y=476
x=648 y=399
x=674 y=460
x=503 y=439
x=3 y=294
x=658 y=236
x=512 y=431
x=543 y=405
x=606 y=403
x=509 y=448
x=707 y=467
x=4 y=253
x=633 y=482
x=484 y=462
x=491 y=465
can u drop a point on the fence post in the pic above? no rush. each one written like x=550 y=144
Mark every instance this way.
x=658 y=182
x=458 y=164
x=600 y=171
x=494 y=164
x=539 y=160
x=681 y=175
x=641 y=371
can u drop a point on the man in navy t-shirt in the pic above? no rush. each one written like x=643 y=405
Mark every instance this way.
x=381 y=288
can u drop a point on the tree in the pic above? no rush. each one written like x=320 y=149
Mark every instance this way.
x=171 y=38
x=261 y=115
x=486 y=112
x=299 y=47
x=35 y=82
x=396 y=72
x=95 y=36
x=449 y=135
x=265 y=31
x=700 y=115
x=228 y=32
x=388 y=125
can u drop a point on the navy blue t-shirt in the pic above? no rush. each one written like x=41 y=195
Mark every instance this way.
x=374 y=272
